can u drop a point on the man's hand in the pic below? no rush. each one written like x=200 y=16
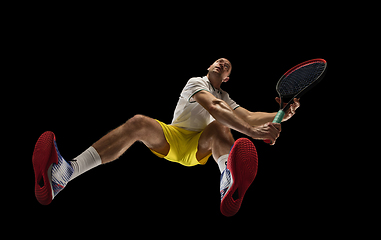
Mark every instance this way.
x=291 y=111
x=268 y=130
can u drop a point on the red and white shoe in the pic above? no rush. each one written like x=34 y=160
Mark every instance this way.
x=241 y=169
x=51 y=171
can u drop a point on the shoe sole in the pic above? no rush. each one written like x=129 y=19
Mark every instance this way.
x=44 y=156
x=243 y=165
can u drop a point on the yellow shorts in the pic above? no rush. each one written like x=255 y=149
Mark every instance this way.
x=183 y=145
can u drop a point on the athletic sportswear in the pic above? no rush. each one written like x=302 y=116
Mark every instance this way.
x=240 y=172
x=85 y=161
x=183 y=145
x=222 y=162
x=51 y=171
x=189 y=114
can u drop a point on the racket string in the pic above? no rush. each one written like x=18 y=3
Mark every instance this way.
x=300 y=78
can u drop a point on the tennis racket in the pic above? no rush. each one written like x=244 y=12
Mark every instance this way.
x=296 y=82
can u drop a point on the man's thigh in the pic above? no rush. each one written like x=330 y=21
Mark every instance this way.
x=217 y=134
x=206 y=138
x=153 y=135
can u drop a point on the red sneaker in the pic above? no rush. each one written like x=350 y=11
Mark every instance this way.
x=44 y=156
x=240 y=172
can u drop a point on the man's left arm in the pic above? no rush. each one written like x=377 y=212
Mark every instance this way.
x=259 y=118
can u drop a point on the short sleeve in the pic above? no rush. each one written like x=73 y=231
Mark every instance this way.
x=193 y=86
x=229 y=101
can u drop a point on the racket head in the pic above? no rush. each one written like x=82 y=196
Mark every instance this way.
x=300 y=79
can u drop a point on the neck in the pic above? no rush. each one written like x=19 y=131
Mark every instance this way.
x=216 y=81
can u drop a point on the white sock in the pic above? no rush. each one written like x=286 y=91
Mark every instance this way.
x=222 y=162
x=85 y=161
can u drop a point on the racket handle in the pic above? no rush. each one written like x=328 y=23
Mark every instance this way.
x=277 y=119
x=279 y=116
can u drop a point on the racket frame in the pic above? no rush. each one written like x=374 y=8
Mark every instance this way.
x=300 y=93
x=279 y=116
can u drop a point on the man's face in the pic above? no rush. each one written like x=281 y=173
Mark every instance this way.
x=221 y=67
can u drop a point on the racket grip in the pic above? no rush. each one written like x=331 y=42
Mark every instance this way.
x=279 y=116
x=277 y=119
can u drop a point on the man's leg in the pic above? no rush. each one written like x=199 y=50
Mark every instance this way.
x=216 y=139
x=53 y=172
x=238 y=165
x=138 y=128
x=115 y=143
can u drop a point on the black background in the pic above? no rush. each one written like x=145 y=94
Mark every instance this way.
x=86 y=72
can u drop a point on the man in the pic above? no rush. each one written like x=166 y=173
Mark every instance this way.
x=200 y=128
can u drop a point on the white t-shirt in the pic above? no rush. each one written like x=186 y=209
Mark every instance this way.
x=189 y=114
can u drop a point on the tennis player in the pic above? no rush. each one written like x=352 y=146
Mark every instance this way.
x=200 y=128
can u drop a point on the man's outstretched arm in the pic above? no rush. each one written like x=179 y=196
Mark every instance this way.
x=259 y=118
x=254 y=118
x=224 y=114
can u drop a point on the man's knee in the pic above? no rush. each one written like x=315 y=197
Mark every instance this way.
x=138 y=120
x=137 y=124
x=219 y=128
